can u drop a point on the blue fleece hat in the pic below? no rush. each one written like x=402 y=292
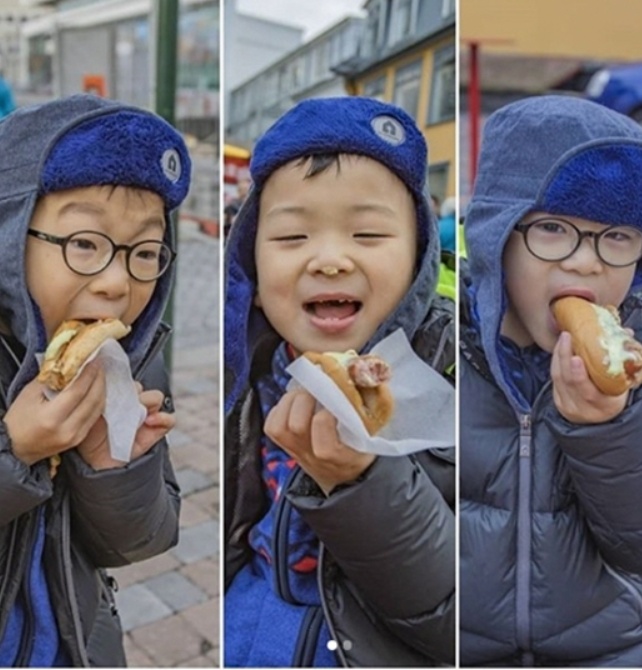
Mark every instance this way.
x=120 y=147
x=348 y=125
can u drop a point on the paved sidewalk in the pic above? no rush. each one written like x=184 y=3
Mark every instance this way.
x=169 y=605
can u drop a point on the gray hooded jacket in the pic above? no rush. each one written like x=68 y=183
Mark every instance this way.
x=551 y=511
x=94 y=519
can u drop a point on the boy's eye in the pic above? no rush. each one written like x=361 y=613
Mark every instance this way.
x=290 y=238
x=81 y=244
x=622 y=235
x=371 y=236
x=552 y=227
x=147 y=255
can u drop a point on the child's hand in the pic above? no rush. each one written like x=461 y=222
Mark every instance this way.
x=95 y=448
x=576 y=397
x=311 y=439
x=40 y=428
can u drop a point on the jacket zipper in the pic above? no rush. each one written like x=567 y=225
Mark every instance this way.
x=280 y=541
x=308 y=637
x=69 y=582
x=9 y=571
x=524 y=541
x=338 y=651
x=26 y=635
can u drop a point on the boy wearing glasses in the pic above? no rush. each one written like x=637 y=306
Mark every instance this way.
x=86 y=191
x=550 y=468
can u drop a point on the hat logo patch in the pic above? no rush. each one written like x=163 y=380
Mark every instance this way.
x=171 y=164
x=389 y=129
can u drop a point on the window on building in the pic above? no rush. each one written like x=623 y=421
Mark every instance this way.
x=296 y=73
x=372 y=32
x=443 y=96
x=447 y=7
x=375 y=88
x=438 y=180
x=404 y=19
x=321 y=61
x=407 y=81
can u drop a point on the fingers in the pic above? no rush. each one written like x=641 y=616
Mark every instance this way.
x=289 y=420
x=575 y=395
x=152 y=400
x=568 y=368
x=85 y=404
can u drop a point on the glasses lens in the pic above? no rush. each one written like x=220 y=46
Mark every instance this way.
x=149 y=260
x=87 y=252
x=551 y=239
x=620 y=245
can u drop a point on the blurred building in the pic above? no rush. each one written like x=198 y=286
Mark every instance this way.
x=304 y=72
x=13 y=16
x=252 y=43
x=407 y=57
x=108 y=47
x=529 y=47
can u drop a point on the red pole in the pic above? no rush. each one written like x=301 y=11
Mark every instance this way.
x=474 y=110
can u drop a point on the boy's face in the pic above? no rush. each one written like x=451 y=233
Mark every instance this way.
x=124 y=214
x=532 y=284
x=335 y=253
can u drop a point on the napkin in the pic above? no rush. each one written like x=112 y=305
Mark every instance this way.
x=424 y=415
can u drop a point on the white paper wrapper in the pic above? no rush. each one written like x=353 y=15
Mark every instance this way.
x=424 y=416
x=124 y=413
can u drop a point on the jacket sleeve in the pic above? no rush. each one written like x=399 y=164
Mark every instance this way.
x=128 y=514
x=605 y=465
x=393 y=535
x=21 y=487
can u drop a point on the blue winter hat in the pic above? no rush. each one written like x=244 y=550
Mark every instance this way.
x=121 y=147
x=349 y=125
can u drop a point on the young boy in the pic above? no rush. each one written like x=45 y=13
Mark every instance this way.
x=550 y=468
x=86 y=190
x=333 y=557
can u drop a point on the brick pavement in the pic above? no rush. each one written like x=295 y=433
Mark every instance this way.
x=169 y=605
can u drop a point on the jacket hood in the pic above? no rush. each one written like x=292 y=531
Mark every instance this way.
x=72 y=142
x=349 y=125
x=555 y=154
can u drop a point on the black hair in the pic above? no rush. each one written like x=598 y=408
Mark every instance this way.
x=320 y=163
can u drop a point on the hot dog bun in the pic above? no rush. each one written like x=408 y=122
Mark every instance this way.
x=613 y=359
x=363 y=379
x=71 y=345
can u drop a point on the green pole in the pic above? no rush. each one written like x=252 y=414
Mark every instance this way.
x=166 y=50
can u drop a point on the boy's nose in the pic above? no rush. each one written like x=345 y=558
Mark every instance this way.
x=114 y=281
x=584 y=259
x=330 y=264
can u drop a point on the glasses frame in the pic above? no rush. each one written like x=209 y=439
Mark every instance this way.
x=115 y=248
x=523 y=228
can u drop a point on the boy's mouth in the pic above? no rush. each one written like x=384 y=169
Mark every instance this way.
x=333 y=309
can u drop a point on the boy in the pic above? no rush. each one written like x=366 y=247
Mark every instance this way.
x=333 y=557
x=86 y=190
x=550 y=469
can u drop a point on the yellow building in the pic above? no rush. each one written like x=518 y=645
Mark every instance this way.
x=580 y=29
x=408 y=58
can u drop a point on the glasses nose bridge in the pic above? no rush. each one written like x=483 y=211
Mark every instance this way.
x=591 y=234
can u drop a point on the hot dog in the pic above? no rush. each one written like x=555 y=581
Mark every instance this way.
x=71 y=345
x=613 y=358
x=363 y=379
